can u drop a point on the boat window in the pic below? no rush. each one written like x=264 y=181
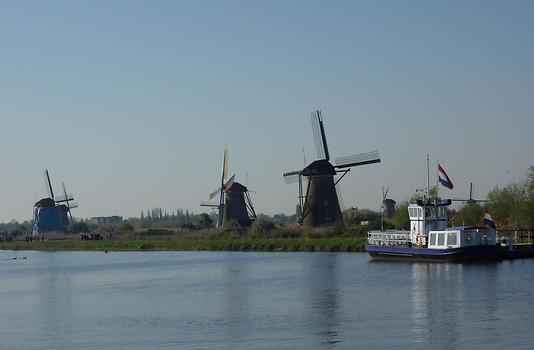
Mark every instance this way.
x=420 y=213
x=441 y=238
x=432 y=239
x=452 y=238
x=411 y=212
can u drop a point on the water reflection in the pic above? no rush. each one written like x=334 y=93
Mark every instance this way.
x=435 y=299
x=237 y=325
x=324 y=297
x=480 y=289
x=54 y=299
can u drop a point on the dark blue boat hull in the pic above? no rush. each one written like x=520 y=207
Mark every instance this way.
x=473 y=253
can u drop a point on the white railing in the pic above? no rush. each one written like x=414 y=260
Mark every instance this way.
x=389 y=238
x=518 y=237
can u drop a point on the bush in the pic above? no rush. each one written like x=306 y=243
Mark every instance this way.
x=124 y=227
x=78 y=227
x=205 y=221
x=261 y=225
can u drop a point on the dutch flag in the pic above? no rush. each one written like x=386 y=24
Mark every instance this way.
x=443 y=178
x=488 y=221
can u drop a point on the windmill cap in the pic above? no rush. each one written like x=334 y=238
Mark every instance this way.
x=319 y=167
x=45 y=203
x=236 y=187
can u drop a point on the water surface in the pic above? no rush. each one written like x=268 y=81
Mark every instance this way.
x=236 y=300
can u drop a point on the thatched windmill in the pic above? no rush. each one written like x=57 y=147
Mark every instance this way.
x=320 y=204
x=52 y=214
x=234 y=200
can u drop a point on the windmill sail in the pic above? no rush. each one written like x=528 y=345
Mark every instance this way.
x=225 y=165
x=215 y=193
x=319 y=136
x=64 y=198
x=229 y=183
x=291 y=179
x=48 y=185
x=358 y=159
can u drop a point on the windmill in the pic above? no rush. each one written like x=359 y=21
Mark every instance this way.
x=320 y=205
x=234 y=199
x=66 y=199
x=382 y=207
x=470 y=200
x=50 y=214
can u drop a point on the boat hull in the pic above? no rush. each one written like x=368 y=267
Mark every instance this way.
x=472 y=253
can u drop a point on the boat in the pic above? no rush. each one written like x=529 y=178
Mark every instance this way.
x=429 y=238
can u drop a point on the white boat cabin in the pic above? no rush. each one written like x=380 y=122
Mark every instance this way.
x=428 y=229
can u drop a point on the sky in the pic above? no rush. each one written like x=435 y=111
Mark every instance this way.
x=132 y=103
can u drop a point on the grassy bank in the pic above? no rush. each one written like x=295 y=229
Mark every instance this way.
x=325 y=244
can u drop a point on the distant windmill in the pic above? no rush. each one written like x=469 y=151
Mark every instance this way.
x=382 y=207
x=66 y=198
x=320 y=206
x=234 y=199
x=470 y=200
x=50 y=214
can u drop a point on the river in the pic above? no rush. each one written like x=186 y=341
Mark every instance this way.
x=245 y=300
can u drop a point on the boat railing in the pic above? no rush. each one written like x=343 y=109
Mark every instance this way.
x=391 y=238
x=518 y=237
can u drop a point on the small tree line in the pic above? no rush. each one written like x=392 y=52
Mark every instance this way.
x=510 y=206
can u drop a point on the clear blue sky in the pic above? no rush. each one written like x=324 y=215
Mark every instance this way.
x=131 y=103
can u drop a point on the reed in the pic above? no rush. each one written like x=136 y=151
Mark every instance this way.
x=301 y=244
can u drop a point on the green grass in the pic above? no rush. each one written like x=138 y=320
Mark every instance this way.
x=324 y=244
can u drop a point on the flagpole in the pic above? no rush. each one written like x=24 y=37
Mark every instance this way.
x=437 y=191
x=437 y=180
x=427 y=177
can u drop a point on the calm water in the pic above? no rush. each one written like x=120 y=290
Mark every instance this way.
x=219 y=300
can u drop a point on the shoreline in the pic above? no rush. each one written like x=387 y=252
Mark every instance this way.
x=333 y=244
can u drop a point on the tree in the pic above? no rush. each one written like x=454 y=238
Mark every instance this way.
x=421 y=194
x=262 y=224
x=508 y=206
x=512 y=206
x=471 y=214
x=205 y=221
x=354 y=216
x=144 y=223
x=280 y=219
x=401 y=220
x=78 y=227
x=124 y=227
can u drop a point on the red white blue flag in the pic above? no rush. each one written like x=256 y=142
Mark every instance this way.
x=488 y=221
x=443 y=178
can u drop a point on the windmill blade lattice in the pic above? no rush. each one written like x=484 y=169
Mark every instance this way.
x=215 y=193
x=225 y=164
x=358 y=159
x=48 y=185
x=229 y=183
x=319 y=135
